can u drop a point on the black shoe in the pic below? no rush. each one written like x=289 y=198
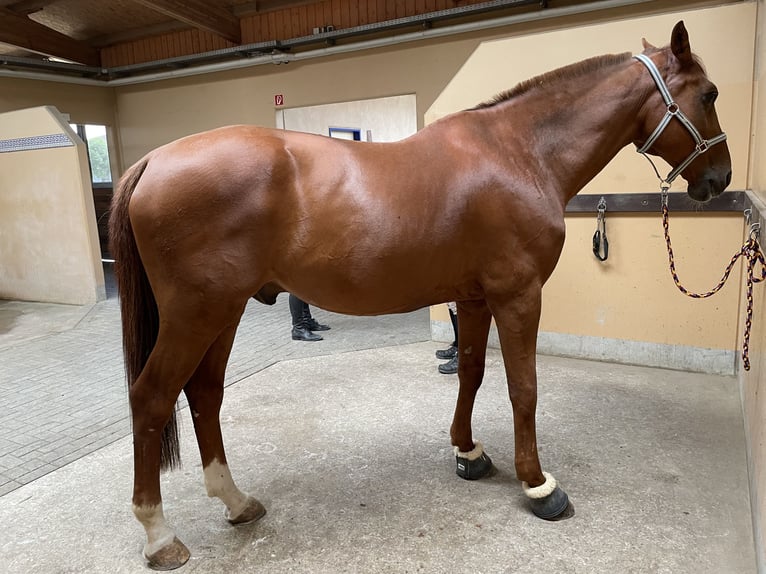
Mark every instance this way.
x=302 y=333
x=447 y=353
x=449 y=368
x=313 y=325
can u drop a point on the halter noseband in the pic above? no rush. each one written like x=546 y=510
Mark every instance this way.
x=673 y=111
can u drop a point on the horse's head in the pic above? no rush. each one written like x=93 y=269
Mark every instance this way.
x=691 y=139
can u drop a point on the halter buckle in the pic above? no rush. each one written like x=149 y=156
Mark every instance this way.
x=673 y=108
x=702 y=147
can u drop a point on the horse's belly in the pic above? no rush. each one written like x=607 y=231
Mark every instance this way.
x=378 y=289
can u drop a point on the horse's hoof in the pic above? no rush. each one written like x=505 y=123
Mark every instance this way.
x=169 y=557
x=474 y=464
x=252 y=511
x=553 y=507
x=548 y=501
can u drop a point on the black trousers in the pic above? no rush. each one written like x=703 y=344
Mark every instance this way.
x=299 y=310
x=453 y=320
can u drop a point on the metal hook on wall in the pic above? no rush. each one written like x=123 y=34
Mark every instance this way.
x=600 y=241
x=754 y=227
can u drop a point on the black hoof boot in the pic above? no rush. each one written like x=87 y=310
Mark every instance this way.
x=474 y=464
x=548 y=501
x=553 y=506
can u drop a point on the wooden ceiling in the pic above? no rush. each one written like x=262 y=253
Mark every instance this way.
x=113 y=39
x=77 y=30
x=101 y=34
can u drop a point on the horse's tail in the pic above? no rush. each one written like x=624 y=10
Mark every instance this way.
x=140 y=318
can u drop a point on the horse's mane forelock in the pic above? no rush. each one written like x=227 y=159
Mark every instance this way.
x=572 y=71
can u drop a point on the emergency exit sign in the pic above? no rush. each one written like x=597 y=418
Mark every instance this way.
x=279 y=100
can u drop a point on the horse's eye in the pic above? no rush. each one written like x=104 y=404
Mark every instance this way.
x=710 y=97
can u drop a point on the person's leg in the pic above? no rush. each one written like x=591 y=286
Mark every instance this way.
x=451 y=351
x=301 y=331
x=450 y=367
x=296 y=309
x=312 y=323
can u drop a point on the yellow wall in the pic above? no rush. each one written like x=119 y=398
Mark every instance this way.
x=752 y=387
x=628 y=309
x=84 y=104
x=153 y=114
x=50 y=250
x=752 y=382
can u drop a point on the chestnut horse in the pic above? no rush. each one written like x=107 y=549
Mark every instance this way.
x=469 y=209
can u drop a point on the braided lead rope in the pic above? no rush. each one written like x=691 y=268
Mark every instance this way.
x=751 y=251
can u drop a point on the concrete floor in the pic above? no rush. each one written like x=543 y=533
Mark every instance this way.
x=62 y=384
x=349 y=451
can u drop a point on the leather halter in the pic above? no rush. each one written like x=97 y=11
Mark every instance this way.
x=673 y=111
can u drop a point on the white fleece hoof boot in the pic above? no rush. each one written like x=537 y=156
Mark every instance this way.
x=549 y=501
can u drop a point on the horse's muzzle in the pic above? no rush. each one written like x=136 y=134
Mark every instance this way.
x=711 y=185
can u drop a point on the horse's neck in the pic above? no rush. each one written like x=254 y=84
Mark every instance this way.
x=577 y=126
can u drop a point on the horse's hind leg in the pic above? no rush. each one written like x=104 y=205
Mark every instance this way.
x=153 y=396
x=474 y=320
x=205 y=394
x=517 y=320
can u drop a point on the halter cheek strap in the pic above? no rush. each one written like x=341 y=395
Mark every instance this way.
x=673 y=111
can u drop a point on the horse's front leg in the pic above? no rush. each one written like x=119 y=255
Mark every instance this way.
x=473 y=324
x=205 y=394
x=517 y=319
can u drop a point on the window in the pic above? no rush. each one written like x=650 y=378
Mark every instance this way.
x=94 y=137
x=346 y=133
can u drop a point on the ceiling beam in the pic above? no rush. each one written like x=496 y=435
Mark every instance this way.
x=133 y=34
x=24 y=33
x=25 y=6
x=199 y=14
x=263 y=6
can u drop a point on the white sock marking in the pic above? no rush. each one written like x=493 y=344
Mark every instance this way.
x=219 y=483
x=158 y=533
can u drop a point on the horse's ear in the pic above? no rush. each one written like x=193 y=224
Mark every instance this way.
x=647 y=45
x=679 y=44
